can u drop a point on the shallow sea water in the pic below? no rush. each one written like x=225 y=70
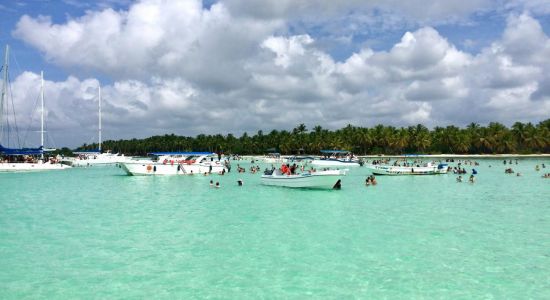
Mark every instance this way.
x=97 y=233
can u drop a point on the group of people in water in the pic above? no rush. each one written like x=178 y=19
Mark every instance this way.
x=371 y=180
x=217 y=185
x=471 y=180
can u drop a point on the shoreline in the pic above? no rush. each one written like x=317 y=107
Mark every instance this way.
x=461 y=155
x=545 y=155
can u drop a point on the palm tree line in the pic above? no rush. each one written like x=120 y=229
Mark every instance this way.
x=495 y=138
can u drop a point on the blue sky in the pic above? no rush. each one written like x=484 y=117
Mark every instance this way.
x=394 y=63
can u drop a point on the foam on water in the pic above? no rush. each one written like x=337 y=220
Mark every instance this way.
x=95 y=232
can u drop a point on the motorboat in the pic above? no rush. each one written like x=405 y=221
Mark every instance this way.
x=416 y=169
x=336 y=158
x=327 y=179
x=300 y=159
x=95 y=158
x=176 y=163
x=273 y=158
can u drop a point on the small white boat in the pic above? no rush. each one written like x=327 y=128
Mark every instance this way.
x=425 y=169
x=273 y=158
x=321 y=179
x=176 y=163
x=336 y=158
x=95 y=158
x=334 y=162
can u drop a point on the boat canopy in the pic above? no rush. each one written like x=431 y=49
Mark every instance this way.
x=22 y=151
x=334 y=151
x=181 y=153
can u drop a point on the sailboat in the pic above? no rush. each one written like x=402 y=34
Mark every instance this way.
x=25 y=159
x=96 y=157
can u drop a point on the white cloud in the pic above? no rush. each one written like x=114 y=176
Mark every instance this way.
x=177 y=67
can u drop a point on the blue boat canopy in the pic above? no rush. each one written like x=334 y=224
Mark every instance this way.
x=22 y=151
x=180 y=153
x=334 y=151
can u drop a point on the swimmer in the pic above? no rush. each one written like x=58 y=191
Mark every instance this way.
x=217 y=184
x=472 y=179
x=459 y=179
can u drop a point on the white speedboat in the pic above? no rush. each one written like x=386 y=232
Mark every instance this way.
x=321 y=179
x=95 y=158
x=273 y=158
x=176 y=163
x=425 y=169
x=336 y=158
x=334 y=162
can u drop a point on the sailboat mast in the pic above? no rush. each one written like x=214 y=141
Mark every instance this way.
x=42 y=110
x=4 y=87
x=100 y=118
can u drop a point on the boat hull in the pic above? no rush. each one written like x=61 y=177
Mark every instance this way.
x=317 y=180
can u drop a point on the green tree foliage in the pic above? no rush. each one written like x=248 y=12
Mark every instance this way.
x=474 y=139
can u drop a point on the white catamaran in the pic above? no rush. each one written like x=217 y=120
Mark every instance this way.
x=24 y=159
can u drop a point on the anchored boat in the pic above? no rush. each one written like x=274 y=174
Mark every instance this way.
x=321 y=179
x=24 y=159
x=425 y=169
x=176 y=163
x=336 y=158
x=95 y=158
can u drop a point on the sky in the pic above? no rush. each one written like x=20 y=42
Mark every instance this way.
x=231 y=66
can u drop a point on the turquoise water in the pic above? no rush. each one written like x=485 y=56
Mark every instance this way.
x=96 y=233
